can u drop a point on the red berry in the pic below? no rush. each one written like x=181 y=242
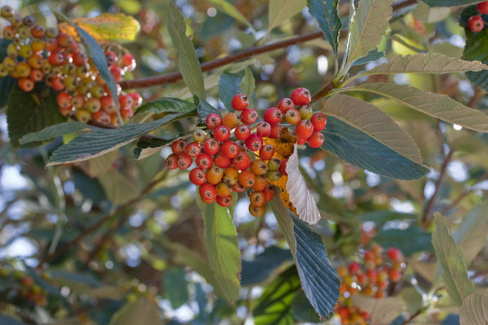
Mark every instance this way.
x=64 y=100
x=137 y=99
x=476 y=24
x=221 y=133
x=207 y=192
x=222 y=161
x=101 y=117
x=79 y=59
x=117 y=73
x=111 y=58
x=229 y=149
x=319 y=121
x=172 y=161
x=211 y=146
x=57 y=83
x=394 y=254
x=224 y=201
x=266 y=152
x=369 y=256
x=238 y=188
x=269 y=193
x=301 y=141
x=482 y=7
x=395 y=275
x=204 y=161
x=285 y=104
x=304 y=129
x=38 y=31
x=125 y=101
x=242 y=161
x=213 y=121
x=193 y=149
x=26 y=84
x=264 y=129
x=239 y=102
x=249 y=116
x=276 y=132
x=243 y=132
x=184 y=161
x=315 y=140
x=36 y=75
x=273 y=115
x=197 y=176
x=282 y=168
x=301 y=96
x=372 y=275
x=55 y=58
x=353 y=268
x=179 y=146
x=293 y=116
x=128 y=62
x=108 y=104
x=254 y=142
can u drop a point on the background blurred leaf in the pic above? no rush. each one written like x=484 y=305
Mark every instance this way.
x=167 y=105
x=259 y=269
x=282 y=10
x=382 y=311
x=402 y=239
x=142 y=311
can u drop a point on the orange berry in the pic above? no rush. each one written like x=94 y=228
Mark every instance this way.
x=214 y=175
x=260 y=183
x=257 y=198
x=247 y=178
x=230 y=176
x=223 y=189
x=257 y=211
x=259 y=167
x=26 y=84
x=230 y=120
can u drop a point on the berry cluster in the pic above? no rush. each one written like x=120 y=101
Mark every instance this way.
x=234 y=154
x=44 y=55
x=20 y=288
x=371 y=279
x=476 y=23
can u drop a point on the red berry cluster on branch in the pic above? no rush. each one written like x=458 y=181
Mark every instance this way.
x=372 y=276
x=476 y=23
x=50 y=56
x=234 y=154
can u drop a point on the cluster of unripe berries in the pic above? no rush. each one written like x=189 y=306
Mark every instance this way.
x=20 y=288
x=476 y=22
x=371 y=277
x=37 y=54
x=234 y=154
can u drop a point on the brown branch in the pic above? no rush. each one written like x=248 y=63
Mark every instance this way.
x=426 y=216
x=462 y=195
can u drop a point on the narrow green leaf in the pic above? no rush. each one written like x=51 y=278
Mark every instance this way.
x=372 y=56
x=93 y=144
x=204 y=109
x=471 y=233
x=229 y=86
x=31 y=112
x=96 y=53
x=54 y=131
x=439 y=106
x=371 y=120
x=450 y=3
x=474 y=310
x=282 y=10
x=360 y=149
x=222 y=248
x=230 y=10
x=167 y=105
x=285 y=222
x=325 y=11
x=145 y=148
x=175 y=286
x=259 y=269
x=367 y=28
x=248 y=85
x=424 y=63
x=187 y=57
x=141 y=311
x=450 y=258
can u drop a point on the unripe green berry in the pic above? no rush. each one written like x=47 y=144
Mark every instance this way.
x=273 y=175
x=25 y=51
x=200 y=136
x=16 y=20
x=97 y=91
x=24 y=32
x=12 y=51
x=3 y=71
x=306 y=112
x=52 y=32
x=274 y=164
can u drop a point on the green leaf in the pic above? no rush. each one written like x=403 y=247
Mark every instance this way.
x=450 y=258
x=439 y=106
x=471 y=233
x=476 y=48
x=360 y=149
x=450 y=3
x=282 y=10
x=424 y=63
x=248 y=85
x=274 y=305
x=31 y=112
x=222 y=248
x=325 y=11
x=382 y=217
x=100 y=141
x=117 y=188
x=54 y=131
x=259 y=269
x=367 y=28
x=188 y=63
x=382 y=311
x=175 y=286
x=402 y=239
x=229 y=86
x=230 y=10
x=141 y=311
x=372 y=56
x=301 y=308
x=6 y=320
x=204 y=109
x=96 y=54
x=474 y=310
x=319 y=278
x=99 y=165
x=145 y=148
x=283 y=217
x=167 y=105
x=374 y=122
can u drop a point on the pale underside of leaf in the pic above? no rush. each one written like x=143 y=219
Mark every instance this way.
x=425 y=63
x=439 y=106
x=474 y=310
x=300 y=195
x=382 y=311
x=450 y=258
x=374 y=122
x=368 y=26
x=281 y=10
